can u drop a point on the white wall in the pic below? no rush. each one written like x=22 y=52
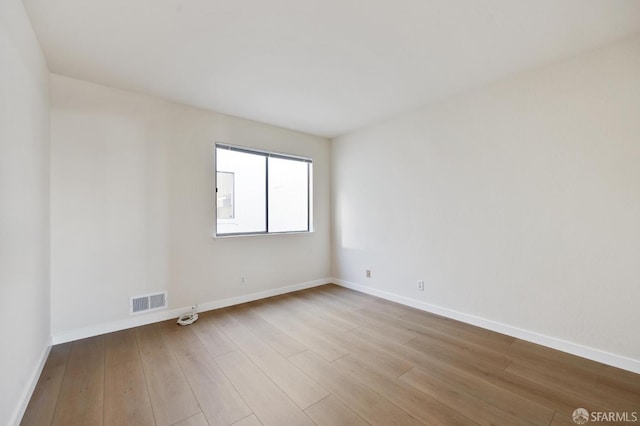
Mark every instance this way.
x=24 y=210
x=517 y=203
x=133 y=207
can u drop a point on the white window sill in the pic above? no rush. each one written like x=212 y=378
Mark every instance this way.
x=259 y=234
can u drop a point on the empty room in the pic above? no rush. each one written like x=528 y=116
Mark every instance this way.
x=293 y=212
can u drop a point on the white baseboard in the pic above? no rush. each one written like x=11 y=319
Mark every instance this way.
x=138 y=320
x=598 y=355
x=31 y=386
x=231 y=301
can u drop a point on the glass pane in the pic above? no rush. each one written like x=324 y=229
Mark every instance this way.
x=248 y=200
x=288 y=195
x=225 y=195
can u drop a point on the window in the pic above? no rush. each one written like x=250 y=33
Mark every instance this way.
x=261 y=192
x=225 y=195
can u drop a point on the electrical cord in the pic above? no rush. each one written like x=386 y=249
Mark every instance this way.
x=188 y=319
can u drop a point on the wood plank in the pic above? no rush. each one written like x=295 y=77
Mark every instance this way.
x=352 y=316
x=334 y=299
x=533 y=352
x=392 y=328
x=551 y=397
x=562 y=419
x=622 y=387
x=537 y=393
x=81 y=395
x=303 y=305
x=573 y=370
x=467 y=405
x=252 y=420
x=197 y=420
x=298 y=386
x=43 y=401
x=615 y=372
x=419 y=405
x=321 y=299
x=387 y=363
x=391 y=309
x=465 y=332
x=171 y=397
x=285 y=344
x=330 y=411
x=362 y=299
x=483 y=389
x=571 y=385
x=268 y=402
x=485 y=359
x=335 y=308
x=308 y=336
x=288 y=307
x=346 y=343
x=551 y=373
x=346 y=297
x=212 y=338
x=448 y=343
x=278 y=340
x=218 y=399
x=388 y=332
x=412 y=355
x=126 y=399
x=358 y=397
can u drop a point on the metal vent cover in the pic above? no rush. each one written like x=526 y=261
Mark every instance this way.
x=157 y=301
x=147 y=302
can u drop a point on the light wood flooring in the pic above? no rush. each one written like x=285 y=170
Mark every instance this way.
x=327 y=356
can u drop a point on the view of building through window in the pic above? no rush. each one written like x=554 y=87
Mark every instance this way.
x=225 y=195
x=261 y=192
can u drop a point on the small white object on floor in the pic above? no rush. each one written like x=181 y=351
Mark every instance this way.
x=188 y=319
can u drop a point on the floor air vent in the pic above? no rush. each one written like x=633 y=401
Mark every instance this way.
x=148 y=302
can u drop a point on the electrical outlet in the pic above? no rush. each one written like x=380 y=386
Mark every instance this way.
x=420 y=285
x=368 y=273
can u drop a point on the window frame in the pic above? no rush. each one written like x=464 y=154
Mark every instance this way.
x=266 y=155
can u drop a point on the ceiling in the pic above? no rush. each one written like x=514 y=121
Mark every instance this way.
x=325 y=67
